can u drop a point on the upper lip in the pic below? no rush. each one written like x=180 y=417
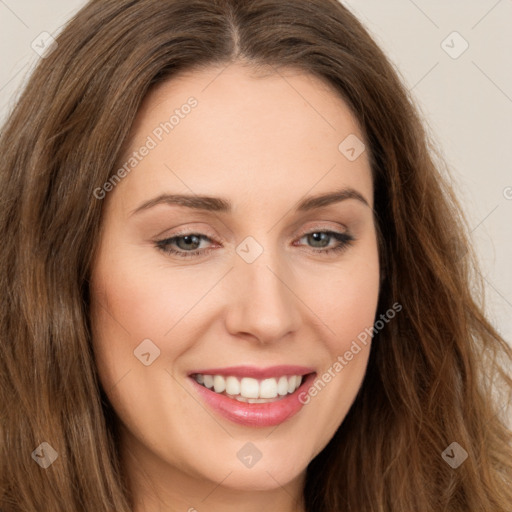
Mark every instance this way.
x=255 y=372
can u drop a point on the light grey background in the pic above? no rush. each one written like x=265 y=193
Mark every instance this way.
x=466 y=101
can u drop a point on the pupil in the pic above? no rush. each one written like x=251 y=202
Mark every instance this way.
x=317 y=237
x=190 y=239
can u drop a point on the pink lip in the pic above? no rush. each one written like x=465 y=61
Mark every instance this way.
x=255 y=415
x=256 y=373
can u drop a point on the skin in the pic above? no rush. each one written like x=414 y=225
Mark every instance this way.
x=264 y=142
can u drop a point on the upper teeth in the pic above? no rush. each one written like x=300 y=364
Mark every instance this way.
x=248 y=387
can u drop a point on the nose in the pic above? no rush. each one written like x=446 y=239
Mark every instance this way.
x=262 y=303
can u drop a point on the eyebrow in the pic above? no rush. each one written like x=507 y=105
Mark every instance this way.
x=219 y=204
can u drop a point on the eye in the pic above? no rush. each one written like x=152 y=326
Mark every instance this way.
x=188 y=244
x=321 y=239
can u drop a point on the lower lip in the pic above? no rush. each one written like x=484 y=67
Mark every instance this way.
x=255 y=415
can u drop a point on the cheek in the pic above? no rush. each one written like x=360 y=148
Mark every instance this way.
x=347 y=305
x=141 y=296
x=348 y=311
x=136 y=297
x=345 y=295
x=128 y=306
x=353 y=304
x=131 y=304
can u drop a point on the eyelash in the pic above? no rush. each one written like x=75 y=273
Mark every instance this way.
x=344 y=241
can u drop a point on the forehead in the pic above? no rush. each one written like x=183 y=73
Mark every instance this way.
x=256 y=97
x=248 y=129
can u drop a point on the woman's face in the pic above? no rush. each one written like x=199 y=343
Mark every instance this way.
x=257 y=284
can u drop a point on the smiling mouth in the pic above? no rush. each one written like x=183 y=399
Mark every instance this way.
x=269 y=397
x=251 y=390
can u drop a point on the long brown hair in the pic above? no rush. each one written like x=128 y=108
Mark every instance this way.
x=431 y=372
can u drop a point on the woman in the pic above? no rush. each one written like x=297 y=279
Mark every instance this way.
x=234 y=278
